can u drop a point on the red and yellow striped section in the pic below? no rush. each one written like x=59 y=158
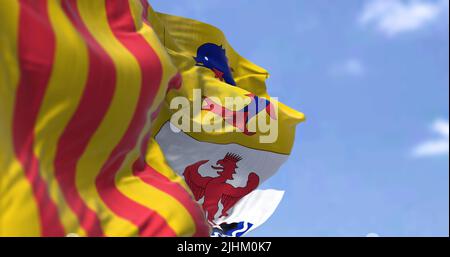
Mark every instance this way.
x=80 y=83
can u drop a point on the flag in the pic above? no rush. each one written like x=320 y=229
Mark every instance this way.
x=80 y=86
x=249 y=213
x=90 y=143
x=221 y=166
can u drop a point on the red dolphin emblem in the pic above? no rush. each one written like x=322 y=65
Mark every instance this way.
x=216 y=189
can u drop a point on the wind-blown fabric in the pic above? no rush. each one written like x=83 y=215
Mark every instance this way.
x=80 y=84
x=221 y=167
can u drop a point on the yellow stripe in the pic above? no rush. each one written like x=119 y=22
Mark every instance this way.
x=62 y=96
x=169 y=70
x=117 y=119
x=165 y=205
x=115 y=122
x=155 y=158
x=19 y=215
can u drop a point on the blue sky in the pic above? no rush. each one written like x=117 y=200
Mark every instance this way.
x=372 y=77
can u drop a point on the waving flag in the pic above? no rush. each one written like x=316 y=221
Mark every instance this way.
x=80 y=82
x=249 y=213
x=221 y=167
x=88 y=141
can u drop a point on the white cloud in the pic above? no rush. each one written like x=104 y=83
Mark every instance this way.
x=438 y=146
x=392 y=17
x=372 y=235
x=351 y=67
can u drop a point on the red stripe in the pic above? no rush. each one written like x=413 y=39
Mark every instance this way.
x=148 y=221
x=175 y=83
x=145 y=7
x=152 y=177
x=36 y=52
x=155 y=179
x=93 y=106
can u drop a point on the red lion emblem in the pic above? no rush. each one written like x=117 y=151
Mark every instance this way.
x=216 y=189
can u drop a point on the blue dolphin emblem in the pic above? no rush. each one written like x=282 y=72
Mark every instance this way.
x=214 y=57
